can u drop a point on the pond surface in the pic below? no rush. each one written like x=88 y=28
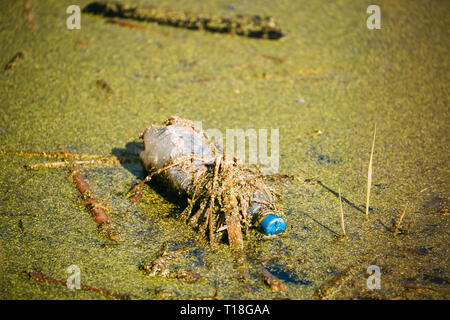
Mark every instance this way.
x=324 y=86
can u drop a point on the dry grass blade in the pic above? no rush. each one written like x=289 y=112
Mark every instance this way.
x=369 y=172
x=397 y=226
x=342 y=213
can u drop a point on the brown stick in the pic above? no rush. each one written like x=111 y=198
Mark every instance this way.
x=95 y=207
x=38 y=276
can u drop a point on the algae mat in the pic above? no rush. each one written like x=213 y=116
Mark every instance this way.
x=324 y=86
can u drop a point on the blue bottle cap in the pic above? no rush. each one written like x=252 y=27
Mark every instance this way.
x=272 y=224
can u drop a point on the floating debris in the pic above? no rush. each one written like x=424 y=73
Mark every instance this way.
x=38 y=276
x=253 y=26
x=158 y=266
x=21 y=227
x=106 y=227
x=223 y=195
x=104 y=86
x=273 y=282
x=81 y=44
x=69 y=159
x=274 y=59
x=14 y=60
x=136 y=197
x=329 y=288
x=125 y=24
x=188 y=277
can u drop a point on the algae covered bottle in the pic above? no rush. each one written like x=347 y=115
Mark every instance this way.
x=221 y=192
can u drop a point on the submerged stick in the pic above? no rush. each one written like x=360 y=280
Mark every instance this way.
x=38 y=276
x=273 y=282
x=331 y=287
x=369 y=173
x=105 y=226
x=253 y=26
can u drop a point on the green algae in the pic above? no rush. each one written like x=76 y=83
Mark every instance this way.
x=349 y=77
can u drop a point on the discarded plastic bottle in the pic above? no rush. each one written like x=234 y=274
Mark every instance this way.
x=183 y=153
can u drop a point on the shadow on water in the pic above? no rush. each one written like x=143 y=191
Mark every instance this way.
x=336 y=194
x=132 y=150
x=286 y=275
x=318 y=222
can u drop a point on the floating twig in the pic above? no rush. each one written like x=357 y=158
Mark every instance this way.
x=253 y=26
x=102 y=84
x=61 y=164
x=69 y=159
x=14 y=60
x=38 y=276
x=369 y=173
x=105 y=226
x=36 y=153
x=65 y=154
